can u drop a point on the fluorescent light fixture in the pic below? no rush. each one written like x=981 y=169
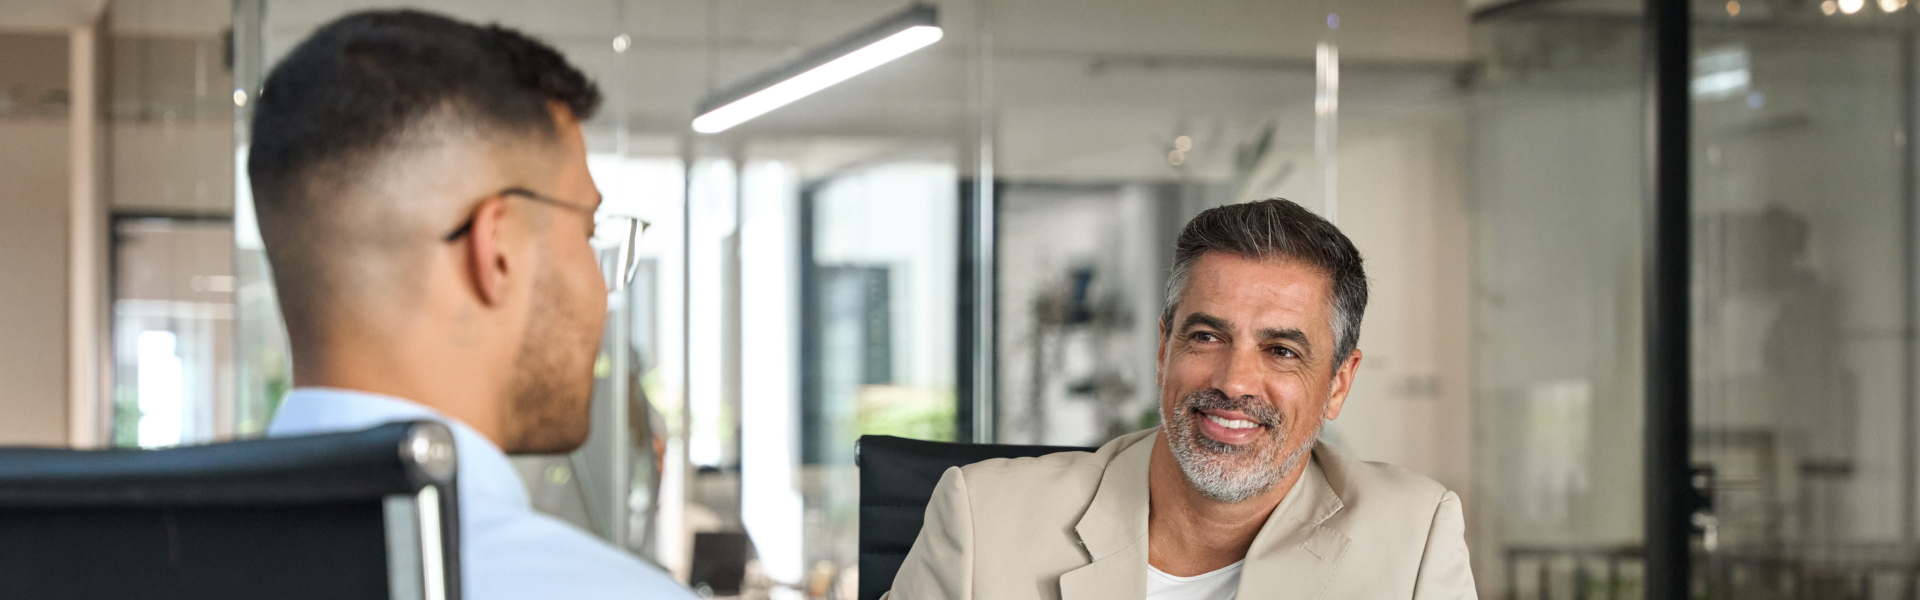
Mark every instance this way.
x=875 y=45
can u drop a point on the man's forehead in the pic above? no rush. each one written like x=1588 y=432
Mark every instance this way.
x=1263 y=293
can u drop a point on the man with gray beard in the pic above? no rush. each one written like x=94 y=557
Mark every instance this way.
x=1233 y=496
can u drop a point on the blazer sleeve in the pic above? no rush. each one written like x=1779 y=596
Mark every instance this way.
x=1445 y=571
x=940 y=565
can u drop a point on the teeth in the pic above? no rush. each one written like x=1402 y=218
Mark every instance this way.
x=1233 y=423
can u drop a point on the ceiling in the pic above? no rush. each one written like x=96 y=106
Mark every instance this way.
x=1097 y=88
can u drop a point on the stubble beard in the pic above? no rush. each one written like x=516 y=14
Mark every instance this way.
x=1227 y=473
x=552 y=385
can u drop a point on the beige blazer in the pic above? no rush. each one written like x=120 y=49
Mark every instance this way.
x=1073 y=526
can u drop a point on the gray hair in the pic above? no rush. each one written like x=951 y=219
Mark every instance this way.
x=1276 y=228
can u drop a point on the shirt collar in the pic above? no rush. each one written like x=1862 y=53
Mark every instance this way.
x=485 y=473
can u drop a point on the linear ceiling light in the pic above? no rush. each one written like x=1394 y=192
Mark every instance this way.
x=891 y=38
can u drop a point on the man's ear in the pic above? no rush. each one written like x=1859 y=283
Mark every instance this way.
x=488 y=263
x=1342 y=383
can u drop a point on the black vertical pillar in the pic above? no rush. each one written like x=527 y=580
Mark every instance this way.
x=1669 y=499
x=966 y=321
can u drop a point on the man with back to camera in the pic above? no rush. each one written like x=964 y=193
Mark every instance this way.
x=1232 y=496
x=422 y=189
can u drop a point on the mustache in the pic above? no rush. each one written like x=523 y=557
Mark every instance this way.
x=1212 y=399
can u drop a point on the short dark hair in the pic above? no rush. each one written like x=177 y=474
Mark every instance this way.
x=361 y=89
x=361 y=82
x=1269 y=229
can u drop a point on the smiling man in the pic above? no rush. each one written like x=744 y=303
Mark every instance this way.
x=1232 y=496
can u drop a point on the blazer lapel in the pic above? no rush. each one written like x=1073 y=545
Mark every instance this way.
x=1295 y=554
x=1114 y=532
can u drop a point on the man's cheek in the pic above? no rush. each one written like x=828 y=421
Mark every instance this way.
x=1188 y=369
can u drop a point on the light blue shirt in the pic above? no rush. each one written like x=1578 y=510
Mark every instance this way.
x=508 y=551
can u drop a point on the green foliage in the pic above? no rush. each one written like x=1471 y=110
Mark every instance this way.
x=126 y=417
x=1149 y=418
x=906 y=412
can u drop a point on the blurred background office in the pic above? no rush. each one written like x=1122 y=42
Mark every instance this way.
x=970 y=243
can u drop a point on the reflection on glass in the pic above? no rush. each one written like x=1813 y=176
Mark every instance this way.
x=1803 y=397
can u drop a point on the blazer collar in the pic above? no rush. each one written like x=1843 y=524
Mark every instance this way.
x=1118 y=515
x=1296 y=551
x=1114 y=529
x=1311 y=502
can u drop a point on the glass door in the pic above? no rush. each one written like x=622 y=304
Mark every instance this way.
x=1803 y=368
x=1803 y=443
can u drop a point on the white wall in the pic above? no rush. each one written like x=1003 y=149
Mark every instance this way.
x=1402 y=203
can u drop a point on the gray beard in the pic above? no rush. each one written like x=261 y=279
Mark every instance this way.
x=1232 y=474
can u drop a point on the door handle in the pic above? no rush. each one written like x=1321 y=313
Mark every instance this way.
x=1700 y=501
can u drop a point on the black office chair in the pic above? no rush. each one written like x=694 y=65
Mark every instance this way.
x=897 y=477
x=365 y=514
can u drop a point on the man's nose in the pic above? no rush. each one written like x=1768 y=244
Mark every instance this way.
x=1241 y=376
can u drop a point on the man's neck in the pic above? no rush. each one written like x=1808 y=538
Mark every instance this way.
x=1190 y=534
x=401 y=368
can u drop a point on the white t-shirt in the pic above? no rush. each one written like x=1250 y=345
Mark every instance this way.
x=1217 y=585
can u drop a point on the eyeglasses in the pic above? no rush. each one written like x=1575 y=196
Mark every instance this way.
x=613 y=235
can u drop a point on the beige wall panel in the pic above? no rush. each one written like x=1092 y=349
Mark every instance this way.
x=33 y=283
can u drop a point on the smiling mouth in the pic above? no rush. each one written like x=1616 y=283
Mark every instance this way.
x=1232 y=420
x=1231 y=423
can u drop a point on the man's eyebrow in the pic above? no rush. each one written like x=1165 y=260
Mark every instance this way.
x=1205 y=320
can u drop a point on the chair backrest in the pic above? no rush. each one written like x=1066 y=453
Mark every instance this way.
x=365 y=514
x=897 y=477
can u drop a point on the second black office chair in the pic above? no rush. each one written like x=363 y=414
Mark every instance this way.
x=897 y=477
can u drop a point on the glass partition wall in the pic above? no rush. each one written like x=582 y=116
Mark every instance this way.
x=1558 y=233
x=1804 y=289
x=1802 y=415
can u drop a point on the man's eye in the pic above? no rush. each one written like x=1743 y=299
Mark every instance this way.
x=1205 y=336
x=1284 y=352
